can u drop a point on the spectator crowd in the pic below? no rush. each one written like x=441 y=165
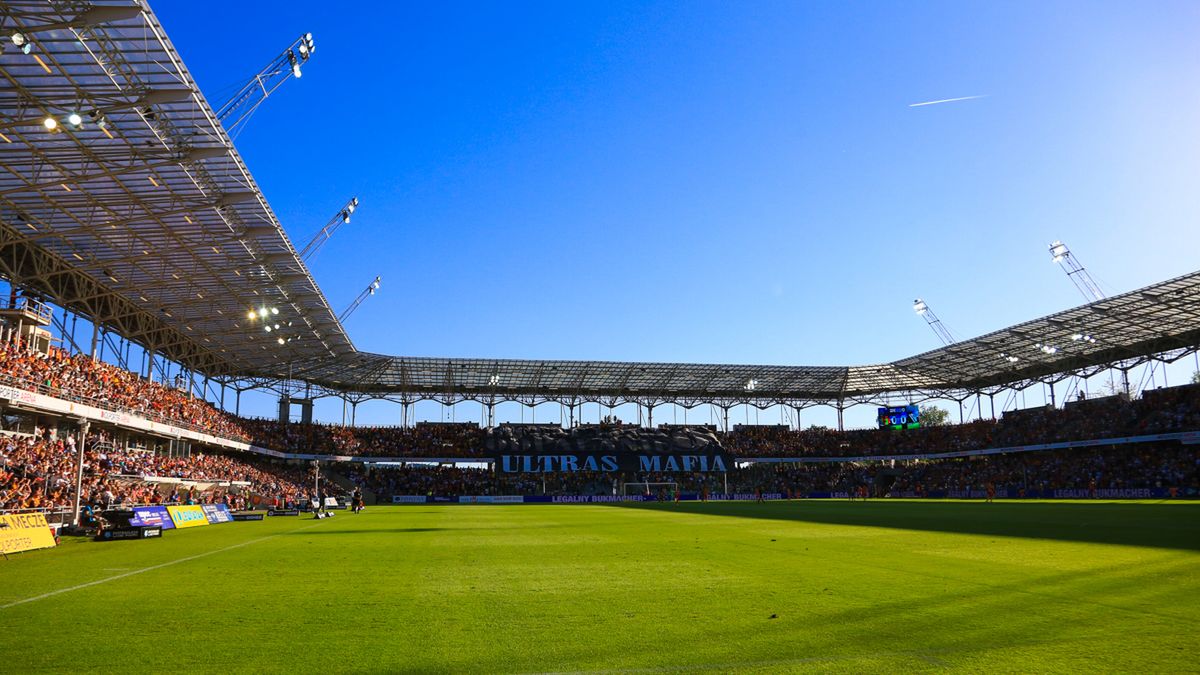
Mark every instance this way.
x=86 y=380
x=39 y=472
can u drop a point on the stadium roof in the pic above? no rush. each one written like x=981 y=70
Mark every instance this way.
x=1127 y=328
x=145 y=217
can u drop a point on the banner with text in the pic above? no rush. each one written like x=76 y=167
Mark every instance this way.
x=24 y=532
x=633 y=462
x=187 y=516
x=151 y=516
x=217 y=513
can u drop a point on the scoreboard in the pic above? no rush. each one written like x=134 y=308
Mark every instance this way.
x=900 y=417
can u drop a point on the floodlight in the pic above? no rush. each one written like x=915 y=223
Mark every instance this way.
x=75 y=120
x=279 y=340
x=262 y=313
x=294 y=63
x=1076 y=337
x=345 y=216
x=303 y=49
x=251 y=315
x=267 y=328
x=22 y=42
x=50 y=123
x=274 y=310
x=376 y=283
x=920 y=307
x=1058 y=251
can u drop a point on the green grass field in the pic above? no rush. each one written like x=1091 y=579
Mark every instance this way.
x=720 y=587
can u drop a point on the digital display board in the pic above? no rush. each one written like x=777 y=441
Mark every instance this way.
x=900 y=417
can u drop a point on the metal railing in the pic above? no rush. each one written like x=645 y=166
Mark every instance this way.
x=28 y=305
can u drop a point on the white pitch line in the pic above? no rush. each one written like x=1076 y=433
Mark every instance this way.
x=147 y=569
x=946 y=100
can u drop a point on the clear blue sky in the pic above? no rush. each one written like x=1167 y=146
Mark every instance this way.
x=739 y=182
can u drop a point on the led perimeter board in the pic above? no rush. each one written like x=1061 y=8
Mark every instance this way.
x=900 y=417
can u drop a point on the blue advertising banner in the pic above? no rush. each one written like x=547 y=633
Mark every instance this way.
x=217 y=513
x=151 y=516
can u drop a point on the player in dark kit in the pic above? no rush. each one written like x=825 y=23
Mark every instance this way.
x=356 y=502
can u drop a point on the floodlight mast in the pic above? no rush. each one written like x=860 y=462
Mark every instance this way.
x=368 y=292
x=323 y=235
x=237 y=110
x=1076 y=272
x=935 y=323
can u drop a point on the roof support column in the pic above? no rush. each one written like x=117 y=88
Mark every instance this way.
x=841 y=409
x=95 y=338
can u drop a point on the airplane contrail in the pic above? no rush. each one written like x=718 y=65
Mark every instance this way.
x=946 y=100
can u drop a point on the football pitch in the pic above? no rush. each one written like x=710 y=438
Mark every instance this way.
x=882 y=586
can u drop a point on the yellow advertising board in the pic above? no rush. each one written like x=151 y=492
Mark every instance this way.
x=24 y=532
x=187 y=516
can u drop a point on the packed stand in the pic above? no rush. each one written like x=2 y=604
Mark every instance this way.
x=83 y=379
x=1169 y=466
x=449 y=440
x=39 y=471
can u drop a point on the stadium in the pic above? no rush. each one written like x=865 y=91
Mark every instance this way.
x=1023 y=500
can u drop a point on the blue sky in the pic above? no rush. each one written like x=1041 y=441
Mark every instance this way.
x=715 y=182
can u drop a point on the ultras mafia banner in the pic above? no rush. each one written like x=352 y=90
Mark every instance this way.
x=626 y=462
x=552 y=449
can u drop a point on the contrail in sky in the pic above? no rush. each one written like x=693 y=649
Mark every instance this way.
x=946 y=100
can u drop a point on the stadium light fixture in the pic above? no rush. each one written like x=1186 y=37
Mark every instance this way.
x=1058 y=251
x=920 y=307
x=75 y=120
x=274 y=310
x=50 y=123
x=22 y=42
x=751 y=385
x=295 y=64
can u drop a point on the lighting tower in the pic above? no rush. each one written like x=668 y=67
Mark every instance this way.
x=368 y=292
x=237 y=110
x=322 y=236
x=1075 y=272
x=935 y=323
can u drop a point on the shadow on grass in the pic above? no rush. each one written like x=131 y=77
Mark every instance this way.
x=1175 y=526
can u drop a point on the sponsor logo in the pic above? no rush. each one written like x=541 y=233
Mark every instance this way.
x=408 y=499
x=217 y=513
x=151 y=516
x=187 y=516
